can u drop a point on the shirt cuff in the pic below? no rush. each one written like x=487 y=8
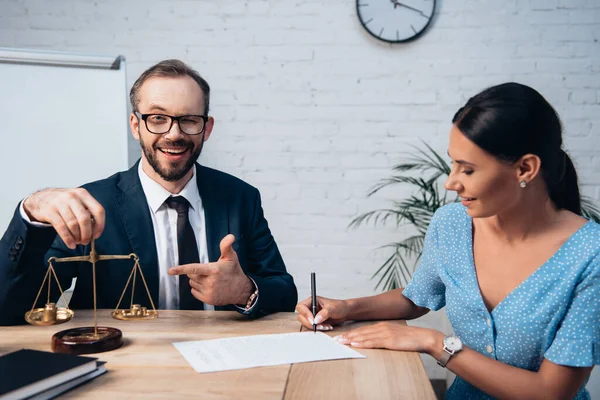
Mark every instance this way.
x=245 y=311
x=29 y=221
x=423 y=298
x=575 y=352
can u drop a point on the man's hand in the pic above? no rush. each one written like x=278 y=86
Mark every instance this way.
x=219 y=283
x=69 y=211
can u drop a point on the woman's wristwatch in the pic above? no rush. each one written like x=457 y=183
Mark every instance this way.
x=452 y=345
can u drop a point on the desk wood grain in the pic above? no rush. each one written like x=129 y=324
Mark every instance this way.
x=149 y=366
x=384 y=374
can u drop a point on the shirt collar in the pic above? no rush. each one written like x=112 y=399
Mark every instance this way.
x=156 y=194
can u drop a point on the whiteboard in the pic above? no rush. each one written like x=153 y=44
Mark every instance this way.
x=63 y=122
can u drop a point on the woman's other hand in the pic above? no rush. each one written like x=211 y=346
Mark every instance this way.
x=393 y=336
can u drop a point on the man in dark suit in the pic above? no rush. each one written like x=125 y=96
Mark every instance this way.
x=200 y=234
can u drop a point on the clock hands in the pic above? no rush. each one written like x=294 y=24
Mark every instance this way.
x=377 y=20
x=396 y=3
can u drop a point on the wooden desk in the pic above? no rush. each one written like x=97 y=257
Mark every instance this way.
x=149 y=366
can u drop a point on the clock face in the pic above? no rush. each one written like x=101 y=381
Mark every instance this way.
x=395 y=21
x=453 y=343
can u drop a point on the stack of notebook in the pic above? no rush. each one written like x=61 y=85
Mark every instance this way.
x=36 y=374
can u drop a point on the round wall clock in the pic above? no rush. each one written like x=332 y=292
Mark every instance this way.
x=395 y=21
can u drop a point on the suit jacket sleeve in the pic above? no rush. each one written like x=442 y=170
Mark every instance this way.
x=276 y=288
x=24 y=251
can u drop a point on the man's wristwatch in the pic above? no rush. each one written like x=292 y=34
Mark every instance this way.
x=252 y=299
x=452 y=345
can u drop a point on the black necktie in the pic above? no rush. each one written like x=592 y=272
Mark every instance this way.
x=187 y=249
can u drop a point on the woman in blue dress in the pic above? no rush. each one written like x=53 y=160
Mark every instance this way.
x=515 y=264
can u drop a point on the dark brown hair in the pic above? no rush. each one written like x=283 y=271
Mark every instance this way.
x=169 y=69
x=511 y=120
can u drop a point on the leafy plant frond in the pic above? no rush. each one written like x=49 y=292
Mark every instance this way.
x=424 y=160
x=394 y=272
x=380 y=217
x=418 y=182
x=413 y=245
x=589 y=209
x=436 y=161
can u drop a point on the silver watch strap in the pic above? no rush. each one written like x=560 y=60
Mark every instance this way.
x=446 y=354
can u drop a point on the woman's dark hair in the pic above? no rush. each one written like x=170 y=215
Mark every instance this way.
x=511 y=120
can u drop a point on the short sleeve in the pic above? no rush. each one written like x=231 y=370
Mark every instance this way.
x=577 y=341
x=426 y=289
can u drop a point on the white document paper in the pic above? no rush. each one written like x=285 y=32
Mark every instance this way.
x=262 y=350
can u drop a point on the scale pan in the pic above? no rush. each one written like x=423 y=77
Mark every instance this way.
x=135 y=313
x=44 y=317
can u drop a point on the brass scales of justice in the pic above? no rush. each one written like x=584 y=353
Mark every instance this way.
x=88 y=340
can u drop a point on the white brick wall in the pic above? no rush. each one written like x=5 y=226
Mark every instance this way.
x=313 y=111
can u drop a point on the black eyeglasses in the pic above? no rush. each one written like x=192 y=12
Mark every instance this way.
x=160 y=123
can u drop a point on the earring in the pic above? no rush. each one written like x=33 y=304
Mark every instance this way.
x=523 y=184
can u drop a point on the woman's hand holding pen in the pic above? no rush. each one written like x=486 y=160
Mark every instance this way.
x=334 y=312
x=393 y=336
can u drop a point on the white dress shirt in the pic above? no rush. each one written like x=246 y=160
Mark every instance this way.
x=164 y=221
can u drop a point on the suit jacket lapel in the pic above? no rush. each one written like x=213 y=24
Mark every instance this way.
x=133 y=208
x=216 y=212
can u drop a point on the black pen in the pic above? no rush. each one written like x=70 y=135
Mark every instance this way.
x=313 y=290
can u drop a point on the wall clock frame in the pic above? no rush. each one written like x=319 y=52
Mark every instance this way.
x=395 y=21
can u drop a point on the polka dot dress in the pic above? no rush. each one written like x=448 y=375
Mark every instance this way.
x=553 y=314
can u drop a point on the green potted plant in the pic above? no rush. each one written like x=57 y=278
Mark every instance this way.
x=424 y=170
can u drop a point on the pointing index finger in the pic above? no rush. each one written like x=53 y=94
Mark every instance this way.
x=194 y=269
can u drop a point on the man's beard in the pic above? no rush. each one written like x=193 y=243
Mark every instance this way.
x=176 y=172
